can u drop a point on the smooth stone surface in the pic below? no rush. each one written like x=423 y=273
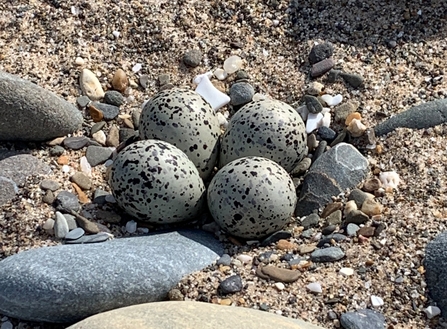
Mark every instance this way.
x=109 y=112
x=310 y=221
x=29 y=112
x=327 y=134
x=320 y=68
x=435 y=264
x=359 y=197
x=92 y=238
x=113 y=97
x=231 y=285
x=313 y=105
x=83 y=101
x=75 y=234
x=60 y=226
x=97 y=155
x=357 y=217
x=363 y=319
x=425 y=115
x=67 y=200
x=180 y=314
x=354 y=80
x=225 y=260
x=192 y=57
x=351 y=229
x=90 y=85
x=277 y=274
x=48 y=184
x=37 y=285
x=338 y=169
x=241 y=93
x=325 y=255
x=82 y=180
x=76 y=142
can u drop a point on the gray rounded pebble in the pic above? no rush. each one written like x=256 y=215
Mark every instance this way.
x=310 y=221
x=327 y=134
x=329 y=229
x=241 y=75
x=97 y=127
x=302 y=167
x=75 y=234
x=49 y=197
x=67 y=200
x=307 y=234
x=75 y=143
x=57 y=150
x=320 y=68
x=351 y=229
x=60 y=226
x=144 y=80
x=97 y=155
x=92 y=238
x=71 y=221
x=136 y=118
x=358 y=196
x=333 y=76
x=83 y=101
x=241 y=93
x=231 y=285
x=192 y=57
x=225 y=260
x=113 y=97
x=110 y=112
x=48 y=184
x=326 y=255
x=356 y=217
x=82 y=180
x=312 y=104
x=363 y=319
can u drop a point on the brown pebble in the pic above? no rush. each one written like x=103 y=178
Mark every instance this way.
x=366 y=231
x=320 y=68
x=352 y=116
x=83 y=198
x=82 y=180
x=56 y=141
x=330 y=208
x=371 y=207
x=175 y=294
x=372 y=185
x=95 y=113
x=87 y=225
x=62 y=160
x=369 y=262
x=279 y=274
x=128 y=123
x=307 y=248
x=49 y=197
x=285 y=245
x=235 y=241
x=113 y=137
x=120 y=81
x=226 y=302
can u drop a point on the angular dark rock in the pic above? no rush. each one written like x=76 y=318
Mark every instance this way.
x=320 y=52
x=231 y=285
x=363 y=319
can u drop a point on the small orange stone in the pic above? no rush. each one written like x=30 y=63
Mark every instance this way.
x=83 y=198
x=351 y=116
x=226 y=302
x=284 y=245
x=120 y=81
x=96 y=114
x=62 y=160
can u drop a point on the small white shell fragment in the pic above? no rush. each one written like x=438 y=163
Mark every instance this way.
x=108 y=163
x=389 y=179
x=376 y=301
x=220 y=74
x=303 y=112
x=136 y=67
x=79 y=61
x=432 y=311
x=245 y=258
x=211 y=94
x=223 y=122
x=313 y=122
x=346 y=271
x=116 y=34
x=100 y=137
x=74 y=10
x=326 y=121
x=325 y=110
x=66 y=168
x=332 y=100
x=356 y=128
x=259 y=97
x=280 y=286
x=232 y=64
x=86 y=168
x=131 y=226
x=315 y=287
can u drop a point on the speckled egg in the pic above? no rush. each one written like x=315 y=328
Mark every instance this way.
x=267 y=128
x=251 y=197
x=156 y=182
x=183 y=118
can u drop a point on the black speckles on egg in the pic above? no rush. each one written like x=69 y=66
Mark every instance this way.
x=251 y=205
x=183 y=118
x=268 y=128
x=165 y=188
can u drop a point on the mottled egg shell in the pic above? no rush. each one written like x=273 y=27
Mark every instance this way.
x=251 y=197
x=156 y=182
x=184 y=119
x=267 y=128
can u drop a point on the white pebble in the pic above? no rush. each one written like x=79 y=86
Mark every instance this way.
x=368 y=284
x=74 y=10
x=86 y=168
x=108 y=163
x=346 y=271
x=376 y=301
x=116 y=34
x=315 y=287
x=7 y=325
x=220 y=74
x=211 y=94
x=332 y=100
x=389 y=179
x=66 y=168
x=232 y=64
x=245 y=258
x=136 y=67
x=100 y=137
x=79 y=61
x=432 y=311
x=313 y=122
x=280 y=286
x=223 y=122
x=131 y=226
x=326 y=121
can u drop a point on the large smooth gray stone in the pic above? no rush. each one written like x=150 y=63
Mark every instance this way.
x=436 y=271
x=425 y=115
x=338 y=169
x=71 y=282
x=31 y=113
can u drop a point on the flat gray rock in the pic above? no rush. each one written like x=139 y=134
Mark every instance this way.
x=68 y=283
x=363 y=319
x=336 y=170
x=31 y=113
x=421 y=116
x=436 y=271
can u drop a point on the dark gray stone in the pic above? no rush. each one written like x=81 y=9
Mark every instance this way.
x=92 y=238
x=126 y=133
x=99 y=196
x=113 y=97
x=57 y=150
x=83 y=101
x=97 y=155
x=320 y=68
x=192 y=57
x=356 y=217
x=48 y=184
x=422 y=116
x=327 y=239
x=67 y=200
x=241 y=75
x=225 y=260
x=325 y=255
x=144 y=80
x=363 y=319
x=76 y=143
x=231 y=285
x=110 y=112
x=351 y=229
x=320 y=52
x=338 y=169
x=329 y=229
x=97 y=127
x=435 y=264
x=327 y=134
x=241 y=93
x=31 y=113
x=48 y=198
x=354 y=80
x=321 y=148
x=37 y=285
x=310 y=221
x=275 y=237
x=358 y=196
x=333 y=76
x=312 y=104
x=75 y=234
